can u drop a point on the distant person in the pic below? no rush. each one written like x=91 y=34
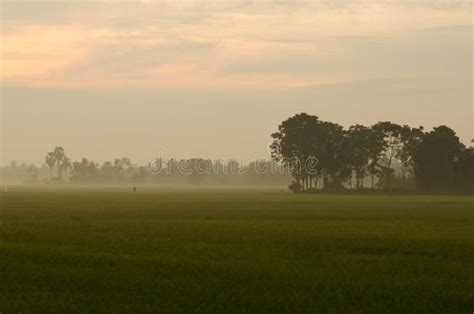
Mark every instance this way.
x=134 y=189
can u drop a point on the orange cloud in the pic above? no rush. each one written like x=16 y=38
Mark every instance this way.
x=190 y=45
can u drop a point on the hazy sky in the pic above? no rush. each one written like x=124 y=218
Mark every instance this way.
x=215 y=78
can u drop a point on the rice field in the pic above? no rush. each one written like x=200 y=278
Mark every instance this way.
x=177 y=250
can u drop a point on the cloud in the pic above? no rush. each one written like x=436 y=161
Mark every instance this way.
x=439 y=52
x=154 y=71
x=227 y=44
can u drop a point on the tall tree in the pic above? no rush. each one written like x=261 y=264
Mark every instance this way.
x=410 y=140
x=333 y=152
x=360 y=141
x=58 y=154
x=50 y=160
x=464 y=171
x=391 y=133
x=376 y=148
x=434 y=160
x=311 y=149
x=294 y=144
x=66 y=166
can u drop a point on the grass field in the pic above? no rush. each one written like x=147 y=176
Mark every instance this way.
x=109 y=250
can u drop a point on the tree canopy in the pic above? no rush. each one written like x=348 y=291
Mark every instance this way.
x=397 y=156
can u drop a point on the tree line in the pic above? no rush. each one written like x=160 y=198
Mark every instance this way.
x=322 y=155
x=58 y=168
x=314 y=155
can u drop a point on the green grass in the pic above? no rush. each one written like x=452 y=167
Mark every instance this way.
x=109 y=250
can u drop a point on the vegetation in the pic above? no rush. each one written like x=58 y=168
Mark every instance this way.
x=323 y=155
x=319 y=155
x=195 y=171
x=108 y=250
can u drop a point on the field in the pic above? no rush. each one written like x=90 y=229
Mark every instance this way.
x=109 y=250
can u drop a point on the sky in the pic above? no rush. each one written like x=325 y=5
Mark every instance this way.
x=215 y=78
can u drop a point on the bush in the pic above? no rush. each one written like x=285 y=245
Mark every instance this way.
x=295 y=187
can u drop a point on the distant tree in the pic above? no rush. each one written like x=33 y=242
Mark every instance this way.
x=334 y=154
x=434 y=160
x=66 y=166
x=50 y=161
x=359 y=142
x=140 y=174
x=33 y=172
x=108 y=172
x=410 y=140
x=312 y=149
x=195 y=170
x=464 y=171
x=376 y=149
x=121 y=167
x=58 y=154
x=84 y=171
x=294 y=143
x=391 y=133
x=295 y=187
